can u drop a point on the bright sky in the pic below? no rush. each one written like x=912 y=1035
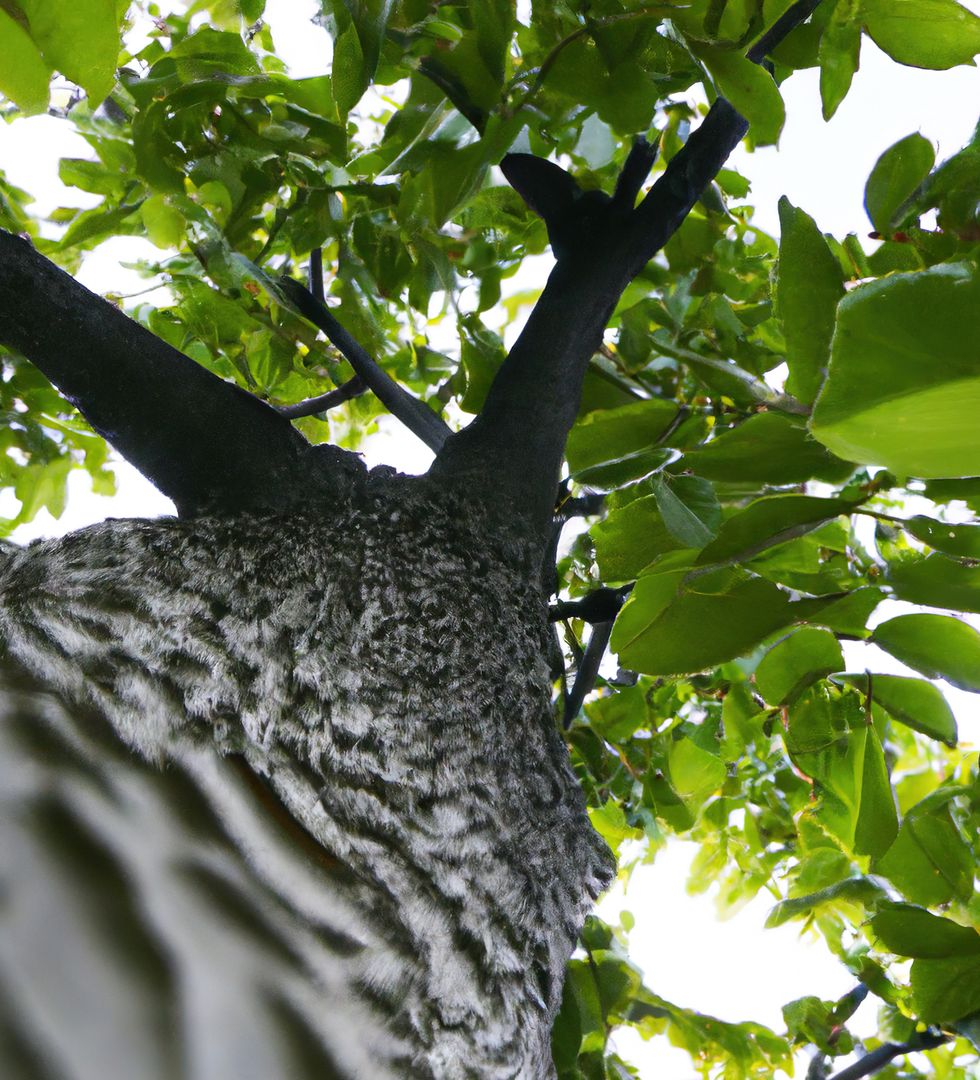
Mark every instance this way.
x=733 y=969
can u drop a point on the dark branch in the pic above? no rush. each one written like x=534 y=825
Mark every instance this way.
x=313 y=406
x=519 y=437
x=781 y=28
x=205 y=443
x=639 y=162
x=679 y=187
x=880 y=1057
x=601 y=605
x=588 y=671
x=316 y=274
x=414 y=414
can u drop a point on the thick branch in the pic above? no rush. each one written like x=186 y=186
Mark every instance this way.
x=414 y=414
x=518 y=439
x=205 y=443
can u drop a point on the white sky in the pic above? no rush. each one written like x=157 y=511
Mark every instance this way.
x=733 y=969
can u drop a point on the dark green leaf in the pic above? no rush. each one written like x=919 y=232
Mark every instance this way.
x=945 y=990
x=796 y=662
x=839 y=56
x=860 y=891
x=607 y=435
x=914 y=702
x=937 y=645
x=689 y=508
x=961 y=540
x=937 y=582
x=767 y=522
x=767 y=448
x=630 y=538
x=667 y=628
x=912 y=931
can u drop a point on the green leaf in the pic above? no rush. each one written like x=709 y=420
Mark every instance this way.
x=667 y=628
x=630 y=538
x=689 y=508
x=809 y=286
x=796 y=662
x=164 y=223
x=769 y=448
x=42 y=487
x=937 y=645
x=609 y=821
x=937 y=582
x=914 y=702
x=625 y=470
x=481 y=354
x=829 y=741
x=923 y=33
x=945 y=990
x=839 y=56
x=929 y=862
x=961 y=540
x=767 y=522
x=849 y=614
x=750 y=88
x=80 y=39
x=694 y=772
x=349 y=78
x=24 y=76
x=903 y=386
x=252 y=10
x=896 y=175
x=907 y=930
x=607 y=435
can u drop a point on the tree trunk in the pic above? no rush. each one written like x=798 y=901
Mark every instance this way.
x=377 y=674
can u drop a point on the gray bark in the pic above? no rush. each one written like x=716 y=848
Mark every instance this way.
x=350 y=843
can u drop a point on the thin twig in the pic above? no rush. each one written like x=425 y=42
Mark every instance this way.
x=588 y=671
x=320 y=404
x=414 y=414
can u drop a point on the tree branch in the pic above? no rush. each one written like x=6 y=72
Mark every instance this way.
x=588 y=671
x=780 y=29
x=414 y=414
x=330 y=400
x=519 y=436
x=205 y=443
x=880 y=1057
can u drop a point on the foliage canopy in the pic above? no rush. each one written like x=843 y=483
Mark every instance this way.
x=761 y=525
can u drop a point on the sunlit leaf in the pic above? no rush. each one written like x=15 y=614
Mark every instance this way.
x=903 y=384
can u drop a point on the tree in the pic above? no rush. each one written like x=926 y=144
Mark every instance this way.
x=287 y=790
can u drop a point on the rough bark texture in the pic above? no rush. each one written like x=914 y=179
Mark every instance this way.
x=382 y=669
